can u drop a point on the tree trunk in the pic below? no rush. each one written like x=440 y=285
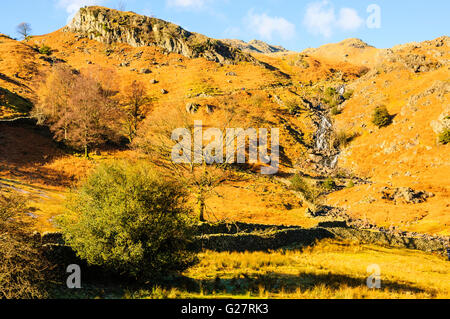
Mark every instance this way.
x=201 y=208
x=86 y=153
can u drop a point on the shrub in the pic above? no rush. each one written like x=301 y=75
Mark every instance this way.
x=310 y=193
x=444 y=136
x=46 y=50
x=329 y=184
x=336 y=110
x=330 y=92
x=350 y=184
x=22 y=263
x=292 y=106
x=127 y=218
x=381 y=117
x=348 y=95
x=342 y=139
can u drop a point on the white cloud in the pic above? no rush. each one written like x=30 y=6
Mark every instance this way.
x=187 y=4
x=72 y=6
x=265 y=26
x=349 y=19
x=320 y=18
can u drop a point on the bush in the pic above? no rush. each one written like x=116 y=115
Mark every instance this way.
x=310 y=193
x=348 y=95
x=293 y=106
x=46 y=50
x=342 y=139
x=336 y=111
x=381 y=117
x=330 y=92
x=329 y=184
x=127 y=218
x=444 y=136
x=22 y=263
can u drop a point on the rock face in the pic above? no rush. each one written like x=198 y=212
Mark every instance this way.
x=112 y=26
x=255 y=46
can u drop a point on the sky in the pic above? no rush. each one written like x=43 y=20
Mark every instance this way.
x=294 y=24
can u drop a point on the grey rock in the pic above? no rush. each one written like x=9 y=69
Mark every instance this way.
x=111 y=26
x=145 y=71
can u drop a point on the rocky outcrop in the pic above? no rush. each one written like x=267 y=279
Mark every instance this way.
x=405 y=195
x=112 y=26
x=420 y=63
x=255 y=46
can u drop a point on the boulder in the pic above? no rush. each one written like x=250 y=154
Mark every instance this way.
x=209 y=108
x=145 y=71
x=192 y=108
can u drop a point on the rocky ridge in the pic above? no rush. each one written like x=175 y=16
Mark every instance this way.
x=111 y=26
x=255 y=46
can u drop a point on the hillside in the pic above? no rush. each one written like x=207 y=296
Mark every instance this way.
x=413 y=82
x=179 y=67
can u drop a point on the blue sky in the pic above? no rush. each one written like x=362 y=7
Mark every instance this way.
x=295 y=24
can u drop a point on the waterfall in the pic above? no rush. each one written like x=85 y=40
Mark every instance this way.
x=323 y=143
x=325 y=127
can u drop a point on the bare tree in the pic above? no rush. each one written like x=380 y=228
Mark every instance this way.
x=79 y=110
x=24 y=29
x=92 y=115
x=135 y=101
x=121 y=6
x=200 y=177
x=52 y=106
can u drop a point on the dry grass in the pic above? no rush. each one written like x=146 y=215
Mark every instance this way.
x=329 y=270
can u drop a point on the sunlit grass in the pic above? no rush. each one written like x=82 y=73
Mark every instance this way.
x=328 y=270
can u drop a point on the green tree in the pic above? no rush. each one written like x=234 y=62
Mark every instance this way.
x=128 y=218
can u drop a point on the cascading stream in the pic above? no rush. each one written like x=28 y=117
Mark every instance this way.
x=323 y=142
x=322 y=134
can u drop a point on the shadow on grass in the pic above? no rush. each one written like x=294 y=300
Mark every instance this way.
x=242 y=285
x=279 y=282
